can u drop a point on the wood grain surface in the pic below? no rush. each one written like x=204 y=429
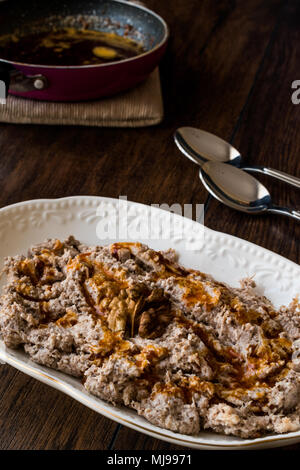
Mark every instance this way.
x=228 y=69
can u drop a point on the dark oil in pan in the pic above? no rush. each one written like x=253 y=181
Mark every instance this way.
x=68 y=46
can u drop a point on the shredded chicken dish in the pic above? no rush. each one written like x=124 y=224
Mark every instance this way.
x=186 y=352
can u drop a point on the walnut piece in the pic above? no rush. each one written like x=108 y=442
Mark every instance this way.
x=127 y=308
x=154 y=321
x=134 y=308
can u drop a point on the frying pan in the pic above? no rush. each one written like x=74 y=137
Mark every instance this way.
x=84 y=82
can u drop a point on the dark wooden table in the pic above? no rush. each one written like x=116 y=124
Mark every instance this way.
x=229 y=70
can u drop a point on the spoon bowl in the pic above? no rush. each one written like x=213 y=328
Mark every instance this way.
x=201 y=146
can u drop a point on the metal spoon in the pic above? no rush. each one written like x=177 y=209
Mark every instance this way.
x=201 y=146
x=241 y=191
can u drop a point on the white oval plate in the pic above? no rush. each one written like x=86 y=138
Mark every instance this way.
x=227 y=258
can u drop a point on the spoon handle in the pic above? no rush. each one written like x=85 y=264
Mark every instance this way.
x=280 y=175
x=285 y=211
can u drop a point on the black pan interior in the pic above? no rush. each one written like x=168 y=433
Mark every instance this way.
x=106 y=15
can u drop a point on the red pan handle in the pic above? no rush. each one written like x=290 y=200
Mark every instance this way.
x=15 y=80
x=5 y=77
